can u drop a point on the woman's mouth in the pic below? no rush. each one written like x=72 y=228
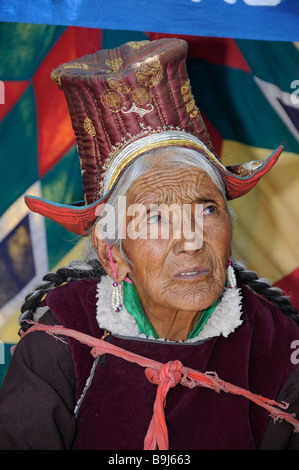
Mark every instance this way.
x=192 y=273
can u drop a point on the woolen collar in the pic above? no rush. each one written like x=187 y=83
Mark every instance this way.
x=225 y=318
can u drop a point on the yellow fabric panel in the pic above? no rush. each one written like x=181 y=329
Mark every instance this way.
x=267 y=224
x=9 y=331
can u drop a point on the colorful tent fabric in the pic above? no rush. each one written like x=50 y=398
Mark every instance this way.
x=38 y=156
x=248 y=95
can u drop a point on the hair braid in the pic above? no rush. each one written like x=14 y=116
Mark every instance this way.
x=264 y=288
x=76 y=270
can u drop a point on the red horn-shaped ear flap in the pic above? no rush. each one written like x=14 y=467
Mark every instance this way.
x=240 y=179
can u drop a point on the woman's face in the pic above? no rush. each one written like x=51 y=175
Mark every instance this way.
x=171 y=268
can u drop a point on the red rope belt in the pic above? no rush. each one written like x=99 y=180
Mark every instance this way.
x=167 y=376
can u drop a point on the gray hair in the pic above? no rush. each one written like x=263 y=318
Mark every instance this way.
x=180 y=157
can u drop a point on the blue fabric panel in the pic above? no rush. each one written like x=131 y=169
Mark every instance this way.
x=247 y=19
x=16 y=261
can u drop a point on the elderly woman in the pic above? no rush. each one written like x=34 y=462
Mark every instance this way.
x=158 y=288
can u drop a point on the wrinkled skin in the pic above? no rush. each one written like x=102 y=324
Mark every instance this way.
x=178 y=277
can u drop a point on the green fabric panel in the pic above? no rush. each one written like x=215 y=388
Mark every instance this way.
x=5 y=358
x=23 y=47
x=111 y=38
x=18 y=162
x=236 y=107
x=274 y=62
x=62 y=184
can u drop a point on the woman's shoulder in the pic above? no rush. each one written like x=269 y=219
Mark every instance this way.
x=271 y=329
x=74 y=304
x=77 y=287
x=73 y=292
x=260 y=309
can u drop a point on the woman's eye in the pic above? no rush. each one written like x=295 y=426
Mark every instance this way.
x=154 y=219
x=210 y=210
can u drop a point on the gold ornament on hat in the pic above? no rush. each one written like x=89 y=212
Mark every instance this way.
x=150 y=74
x=89 y=127
x=138 y=44
x=191 y=107
x=115 y=64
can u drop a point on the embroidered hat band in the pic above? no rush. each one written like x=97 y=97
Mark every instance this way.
x=145 y=144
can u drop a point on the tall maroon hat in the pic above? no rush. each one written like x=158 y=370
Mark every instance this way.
x=124 y=102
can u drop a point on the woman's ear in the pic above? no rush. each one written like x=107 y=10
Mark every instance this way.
x=120 y=265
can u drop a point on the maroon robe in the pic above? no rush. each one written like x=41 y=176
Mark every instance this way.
x=46 y=378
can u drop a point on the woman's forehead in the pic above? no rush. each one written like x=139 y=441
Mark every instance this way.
x=169 y=184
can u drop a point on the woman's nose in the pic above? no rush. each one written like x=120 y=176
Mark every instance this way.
x=190 y=237
x=187 y=245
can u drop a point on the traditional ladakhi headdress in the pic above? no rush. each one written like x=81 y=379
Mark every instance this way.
x=124 y=102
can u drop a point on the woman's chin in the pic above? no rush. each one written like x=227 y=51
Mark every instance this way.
x=192 y=303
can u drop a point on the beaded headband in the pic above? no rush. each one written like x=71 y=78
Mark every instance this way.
x=144 y=144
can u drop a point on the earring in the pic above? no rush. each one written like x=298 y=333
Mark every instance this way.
x=117 y=298
x=231 y=278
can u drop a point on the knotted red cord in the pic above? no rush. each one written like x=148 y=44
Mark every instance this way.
x=166 y=376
